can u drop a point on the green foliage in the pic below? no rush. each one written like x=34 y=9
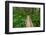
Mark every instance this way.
x=36 y=17
x=20 y=13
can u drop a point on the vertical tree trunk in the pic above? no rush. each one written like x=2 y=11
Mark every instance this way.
x=28 y=21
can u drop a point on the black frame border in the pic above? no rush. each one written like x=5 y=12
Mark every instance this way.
x=7 y=17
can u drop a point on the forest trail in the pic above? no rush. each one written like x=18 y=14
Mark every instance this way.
x=29 y=21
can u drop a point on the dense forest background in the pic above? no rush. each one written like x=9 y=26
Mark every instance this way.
x=20 y=13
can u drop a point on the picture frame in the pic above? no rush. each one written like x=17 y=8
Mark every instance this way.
x=8 y=14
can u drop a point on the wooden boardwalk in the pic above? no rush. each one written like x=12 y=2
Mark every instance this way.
x=28 y=22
